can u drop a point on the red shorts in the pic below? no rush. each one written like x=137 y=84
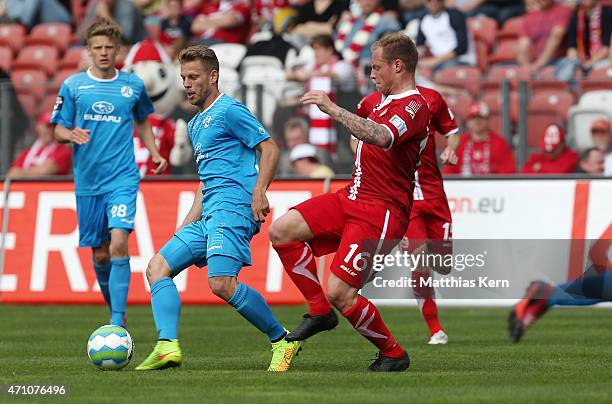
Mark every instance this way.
x=430 y=220
x=352 y=229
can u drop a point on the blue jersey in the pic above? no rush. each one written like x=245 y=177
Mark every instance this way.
x=223 y=138
x=107 y=108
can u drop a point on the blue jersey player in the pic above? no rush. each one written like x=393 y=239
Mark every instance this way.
x=229 y=207
x=95 y=110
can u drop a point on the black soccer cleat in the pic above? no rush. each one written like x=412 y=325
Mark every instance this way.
x=312 y=325
x=387 y=364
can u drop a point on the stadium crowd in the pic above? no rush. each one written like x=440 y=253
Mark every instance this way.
x=467 y=47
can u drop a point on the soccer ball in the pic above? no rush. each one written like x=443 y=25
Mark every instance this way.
x=110 y=347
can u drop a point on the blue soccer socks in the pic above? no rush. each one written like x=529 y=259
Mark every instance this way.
x=102 y=274
x=166 y=305
x=252 y=306
x=118 y=285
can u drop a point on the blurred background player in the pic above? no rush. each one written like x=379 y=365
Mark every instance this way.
x=96 y=111
x=226 y=213
x=368 y=216
x=45 y=156
x=592 y=287
x=430 y=217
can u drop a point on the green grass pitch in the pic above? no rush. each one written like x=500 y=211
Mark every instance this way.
x=565 y=357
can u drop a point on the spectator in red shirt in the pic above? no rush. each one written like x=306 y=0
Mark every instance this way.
x=45 y=157
x=555 y=157
x=481 y=151
x=222 y=21
x=541 y=41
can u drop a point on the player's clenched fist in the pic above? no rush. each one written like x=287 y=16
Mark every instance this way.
x=79 y=136
x=160 y=163
x=319 y=98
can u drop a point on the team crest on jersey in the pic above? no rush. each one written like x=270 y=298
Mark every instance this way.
x=127 y=91
x=261 y=130
x=399 y=124
x=59 y=102
x=103 y=107
x=207 y=121
x=412 y=108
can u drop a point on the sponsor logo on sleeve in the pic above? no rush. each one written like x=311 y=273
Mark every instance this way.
x=59 y=103
x=399 y=124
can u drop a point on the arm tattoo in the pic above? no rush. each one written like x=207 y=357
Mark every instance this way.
x=368 y=131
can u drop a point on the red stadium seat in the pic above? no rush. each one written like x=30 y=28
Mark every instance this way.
x=499 y=73
x=494 y=102
x=464 y=77
x=544 y=85
x=48 y=103
x=598 y=79
x=30 y=87
x=13 y=36
x=482 y=54
x=52 y=34
x=483 y=28
x=72 y=58
x=459 y=104
x=504 y=52
x=59 y=78
x=544 y=109
x=511 y=30
x=6 y=58
x=40 y=57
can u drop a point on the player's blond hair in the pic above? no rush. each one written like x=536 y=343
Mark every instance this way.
x=398 y=46
x=104 y=27
x=202 y=53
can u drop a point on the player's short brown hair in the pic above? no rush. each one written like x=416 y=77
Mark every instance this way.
x=398 y=46
x=103 y=27
x=202 y=53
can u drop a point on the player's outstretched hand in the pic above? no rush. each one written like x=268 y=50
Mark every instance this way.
x=319 y=98
x=161 y=164
x=448 y=156
x=260 y=206
x=79 y=136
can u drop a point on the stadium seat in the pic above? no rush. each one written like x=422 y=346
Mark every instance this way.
x=229 y=81
x=48 y=104
x=59 y=78
x=598 y=79
x=494 y=101
x=6 y=58
x=30 y=83
x=464 y=77
x=40 y=57
x=544 y=109
x=52 y=34
x=271 y=76
x=591 y=106
x=483 y=28
x=459 y=104
x=544 y=85
x=482 y=54
x=499 y=73
x=13 y=36
x=229 y=54
x=72 y=58
x=504 y=52
x=511 y=30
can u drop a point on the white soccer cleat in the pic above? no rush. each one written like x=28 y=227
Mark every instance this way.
x=439 y=338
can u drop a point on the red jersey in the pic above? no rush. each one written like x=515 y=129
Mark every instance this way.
x=428 y=179
x=163 y=129
x=386 y=176
x=491 y=156
x=38 y=154
x=237 y=34
x=541 y=163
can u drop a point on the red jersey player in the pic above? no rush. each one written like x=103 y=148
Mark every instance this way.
x=430 y=217
x=163 y=129
x=356 y=221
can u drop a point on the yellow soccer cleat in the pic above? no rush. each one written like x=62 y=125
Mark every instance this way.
x=166 y=354
x=282 y=354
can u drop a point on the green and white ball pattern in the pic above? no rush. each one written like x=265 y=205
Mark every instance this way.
x=110 y=347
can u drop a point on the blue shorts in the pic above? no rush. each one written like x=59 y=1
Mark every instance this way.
x=221 y=233
x=98 y=214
